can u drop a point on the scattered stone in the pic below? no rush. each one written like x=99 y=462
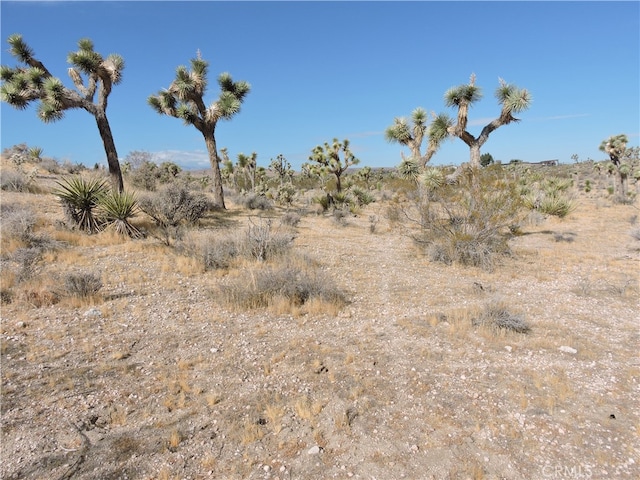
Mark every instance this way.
x=93 y=313
x=21 y=324
x=315 y=450
x=566 y=349
x=508 y=348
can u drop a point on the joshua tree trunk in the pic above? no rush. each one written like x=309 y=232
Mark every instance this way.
x=216 y=176
x=110 y=150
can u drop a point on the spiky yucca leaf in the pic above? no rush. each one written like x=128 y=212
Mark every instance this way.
x=85 y=44
x=462 y=94
x=80 y=198
x=398 y=132
x=432 y=178
x=409 y=168
x=419 y=116
x=19 y=48
x=117 y=210
x=87 y=61
x=114 y=64
x=228 y=105
x=48 y=112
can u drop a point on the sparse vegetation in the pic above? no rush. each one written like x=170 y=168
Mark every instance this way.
x=469 y=224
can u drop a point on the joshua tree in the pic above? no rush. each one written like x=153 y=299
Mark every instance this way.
x=184 y=99
x=400 y=132
x=24 y=84
x=283 y=169
x=248 y=165
x=511 y=99
x=329 y=157
x=616 y=147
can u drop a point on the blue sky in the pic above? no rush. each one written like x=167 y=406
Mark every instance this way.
x=321 y=70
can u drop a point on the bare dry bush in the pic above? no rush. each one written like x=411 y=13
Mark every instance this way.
x=497 y=315
x=260 y=287
x=471 y=222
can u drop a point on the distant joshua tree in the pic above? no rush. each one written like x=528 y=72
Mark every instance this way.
x=184 y=99
x=616 y=147
x=24 y=84
x=511 y=99
x=411 y=136
x=329 y=158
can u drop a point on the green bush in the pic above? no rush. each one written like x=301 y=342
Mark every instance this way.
x=471 y=222
x=117 y=210
x=80 y=199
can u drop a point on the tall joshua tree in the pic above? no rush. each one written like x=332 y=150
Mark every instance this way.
x=329 y=158
x=411 y=136
x=184 y=100
x=616 y=147
x=511 y=99
x=24 y=84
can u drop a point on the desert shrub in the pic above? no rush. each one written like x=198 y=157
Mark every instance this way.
x=17 y=221
x=259 y=242
x=557 y=205
x=17 y=181
x=81 y=285
x=496 y=315
x=262 y=243
x=470 y=222
x=80 y=198
x=26 y=260
x=50 y=165
x=259 y=288
x=291 y=218
x=286 y=194
x=253 y=201
x=635 y=234
x=145 y=176
x=173 y=207
x=325 y=201
x=73 y=168
x=362 y=197
x=117 y=210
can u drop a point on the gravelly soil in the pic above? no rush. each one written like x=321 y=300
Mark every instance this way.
x=159 y=380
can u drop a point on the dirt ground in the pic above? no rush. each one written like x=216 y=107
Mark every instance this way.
x=159 y=380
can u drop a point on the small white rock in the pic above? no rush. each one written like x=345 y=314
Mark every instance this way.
x=508 y=348
x=566 y=349
x=315 y=450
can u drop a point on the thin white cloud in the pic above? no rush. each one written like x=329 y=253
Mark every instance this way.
x=480 y=121
x=561 y=117
x=187 y=160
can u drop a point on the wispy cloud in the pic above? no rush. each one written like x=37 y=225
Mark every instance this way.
x=480 y=121
x=188 y=160
x=561 y=117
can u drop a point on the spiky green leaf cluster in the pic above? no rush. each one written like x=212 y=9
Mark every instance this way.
x=439 y=127
x=512 y=98
x=80 y=198
x=462 y=94
x=184 y=97
x=19 y=48
x=117 y=210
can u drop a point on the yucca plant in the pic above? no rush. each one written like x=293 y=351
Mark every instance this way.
x=80 y=198
x=117 y=209
x=431 y=178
